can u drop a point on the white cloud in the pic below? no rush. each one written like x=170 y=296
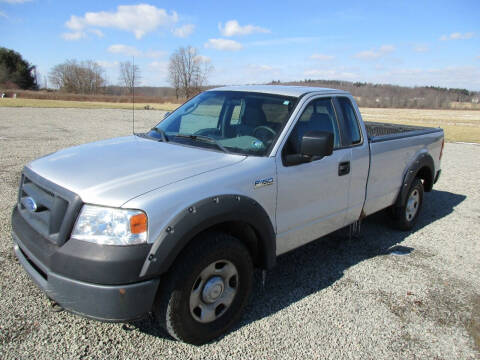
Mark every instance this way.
x=158 y=64
x=385 y=49
x=457 y=36
x=453 y=76
x=331 y=74
x=15 y=1
x=3 y=14
x=157 y=73
x=71 y=36
x=375 y=54
x=367 y=55
x=258 y=67
x=77 y=35
x=223 y=44
x=97 y=32
x=107 y=64
x=322 y=57
x=124 y=49
x=202 y=59
x=184 y=31
x=153 y=54
x=233 y=28
x=420 y=48
x=284 y=41
x=138 y=19
x=248 y=74
x=133 y=51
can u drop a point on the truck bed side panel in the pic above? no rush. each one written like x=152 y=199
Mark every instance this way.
x=390 y=161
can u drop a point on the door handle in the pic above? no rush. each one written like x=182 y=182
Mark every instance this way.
x=344 y=168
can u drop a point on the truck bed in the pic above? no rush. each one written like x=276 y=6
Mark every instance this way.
x=378 y=131
x=393 y=150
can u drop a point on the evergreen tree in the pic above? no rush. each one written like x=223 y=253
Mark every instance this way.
x=15 y=70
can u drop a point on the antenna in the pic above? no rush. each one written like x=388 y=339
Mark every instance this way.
x=133 y=95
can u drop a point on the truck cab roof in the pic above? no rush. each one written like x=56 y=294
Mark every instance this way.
x=285 y=90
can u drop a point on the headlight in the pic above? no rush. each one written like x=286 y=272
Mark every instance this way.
x=110 y=226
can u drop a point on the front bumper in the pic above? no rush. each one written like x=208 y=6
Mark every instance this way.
x=100 y=302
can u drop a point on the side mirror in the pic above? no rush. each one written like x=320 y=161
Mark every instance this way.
x=317 y=144
x=314 y=145
x=167 y=114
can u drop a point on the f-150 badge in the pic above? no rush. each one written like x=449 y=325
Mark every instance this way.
x=263 y=182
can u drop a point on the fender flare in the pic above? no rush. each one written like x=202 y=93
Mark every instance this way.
x=202 y=215
x=423 y=160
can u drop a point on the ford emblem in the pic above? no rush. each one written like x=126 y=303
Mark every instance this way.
x=29 y=204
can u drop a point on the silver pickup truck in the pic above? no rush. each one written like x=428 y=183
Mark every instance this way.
x=173 y=221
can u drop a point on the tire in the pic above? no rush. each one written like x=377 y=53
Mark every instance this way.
x=405 y=216
x=193 y=279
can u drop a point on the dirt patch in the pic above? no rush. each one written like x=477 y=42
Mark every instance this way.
x=17 y=331
x=473 y=324
x=447 y=304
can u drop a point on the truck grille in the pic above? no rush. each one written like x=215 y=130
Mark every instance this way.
x=48 y=208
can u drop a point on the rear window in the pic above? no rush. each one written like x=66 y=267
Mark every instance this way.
x=351 y=122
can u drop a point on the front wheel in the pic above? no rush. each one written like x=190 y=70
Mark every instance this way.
x=405 y=216
x=206 y=290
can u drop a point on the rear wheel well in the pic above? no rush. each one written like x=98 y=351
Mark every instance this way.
x=425 y=174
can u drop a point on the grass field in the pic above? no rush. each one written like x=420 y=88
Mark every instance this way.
x=21 y=102
x=459 y=125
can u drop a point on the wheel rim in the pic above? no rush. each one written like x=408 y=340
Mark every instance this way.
x=213 y=291
x=413 y=203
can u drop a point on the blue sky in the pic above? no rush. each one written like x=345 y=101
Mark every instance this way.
x=399 y=42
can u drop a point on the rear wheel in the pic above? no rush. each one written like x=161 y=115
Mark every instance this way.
x=405 y=216
x=206 y=290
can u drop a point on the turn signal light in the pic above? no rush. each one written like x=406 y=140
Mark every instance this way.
x=138 y=224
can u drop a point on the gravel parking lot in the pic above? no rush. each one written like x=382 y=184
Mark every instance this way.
x=334 y=298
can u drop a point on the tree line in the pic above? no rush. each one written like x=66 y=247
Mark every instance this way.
x=393 y=96
x=188 y=74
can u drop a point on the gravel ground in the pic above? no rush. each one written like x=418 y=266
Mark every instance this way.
x=336 y=298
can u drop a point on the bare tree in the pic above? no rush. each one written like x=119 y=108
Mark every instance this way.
x=188 y=71
x=174 y=76
x=130 y=76
x=86 y=77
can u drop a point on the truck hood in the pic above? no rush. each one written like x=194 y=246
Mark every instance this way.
x=113 y=171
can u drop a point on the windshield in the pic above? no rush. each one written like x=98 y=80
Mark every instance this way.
x=231 y=121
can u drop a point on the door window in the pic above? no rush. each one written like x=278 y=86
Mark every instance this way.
x=319 y=115
x=351 y=124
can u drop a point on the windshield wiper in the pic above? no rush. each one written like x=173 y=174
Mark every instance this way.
x=204 y=139
x=161 y=132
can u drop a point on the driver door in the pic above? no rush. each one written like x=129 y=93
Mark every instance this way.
x=312 y=198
